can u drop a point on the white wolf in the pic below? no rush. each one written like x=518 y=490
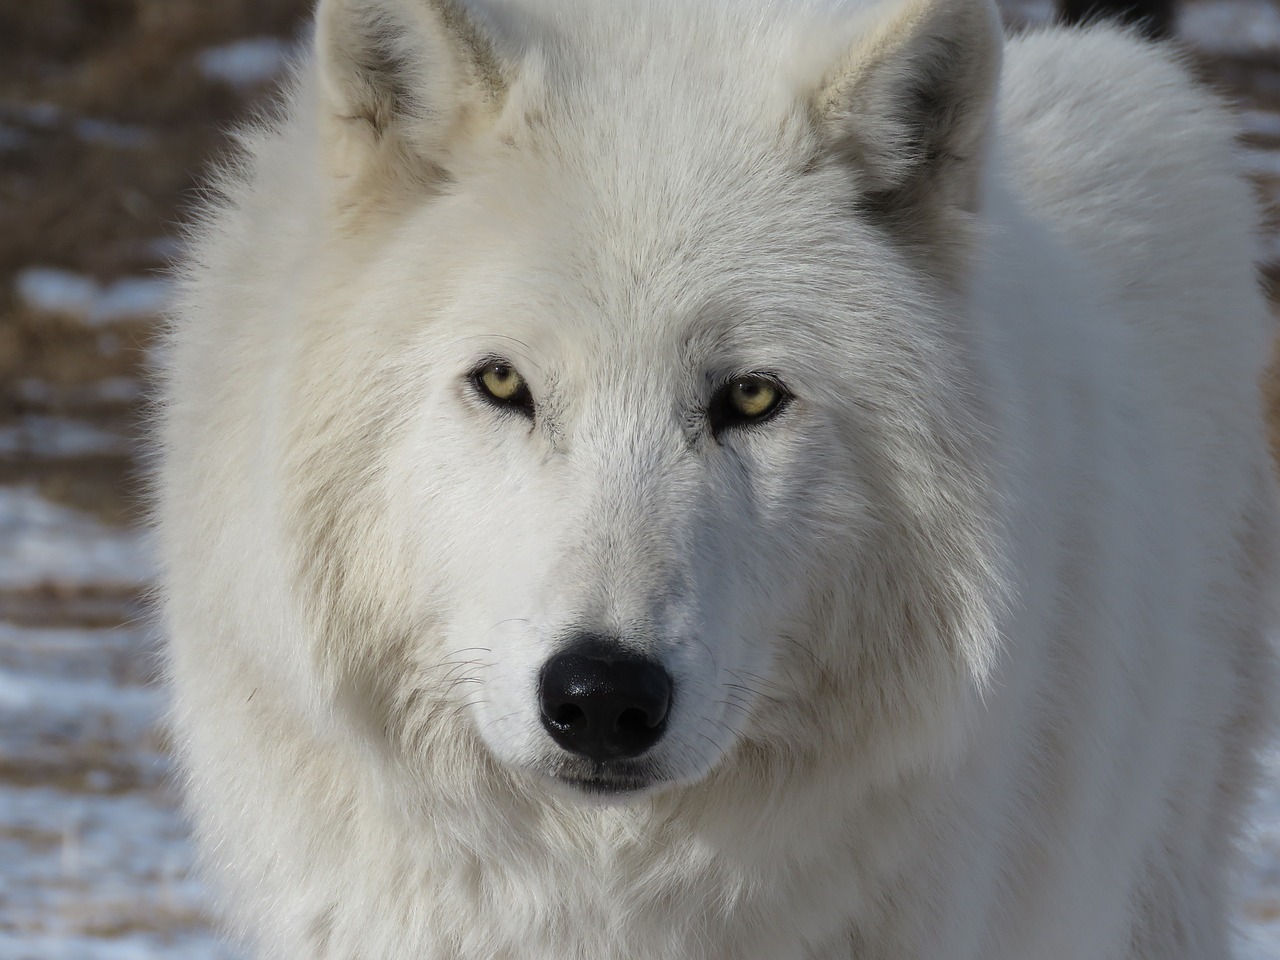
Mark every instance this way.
x=721 y=480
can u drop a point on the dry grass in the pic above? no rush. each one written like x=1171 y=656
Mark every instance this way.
x=99 y=207
x=92 y=206
x=102 y=208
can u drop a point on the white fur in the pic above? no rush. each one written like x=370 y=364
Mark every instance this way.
x=967 y=642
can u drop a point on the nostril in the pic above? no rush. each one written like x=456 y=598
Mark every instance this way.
x=634 y=719
x=568 y=714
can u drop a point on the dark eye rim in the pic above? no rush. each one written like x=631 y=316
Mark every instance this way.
x=722 y=415
x=521 y=402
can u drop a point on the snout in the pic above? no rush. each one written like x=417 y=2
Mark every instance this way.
x=604 y=702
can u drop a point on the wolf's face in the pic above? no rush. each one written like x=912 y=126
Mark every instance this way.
x=633 y=487
x=657 y=435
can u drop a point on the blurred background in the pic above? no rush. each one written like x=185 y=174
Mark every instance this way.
x=109 y=112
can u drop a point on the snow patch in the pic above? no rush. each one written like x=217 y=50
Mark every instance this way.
x=1260 y=123
x=42 y=542
x=134 y=947
x=66 y=292
x=96 y=393
x=1231 y=26
x=1028 y=13
x=48 y=116
x=168 y=249
x=110 y=133
x=1260 y=880
x=246 y=63
x=42 y=436
x=132 y=709
x=57 y=291
x=131 y=297
x=114 y=862
x=1261 y=163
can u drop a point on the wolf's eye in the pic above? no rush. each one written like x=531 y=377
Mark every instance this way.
x=746 y=400
x=498 y=382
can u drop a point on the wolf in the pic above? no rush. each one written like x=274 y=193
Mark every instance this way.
x=721 y=480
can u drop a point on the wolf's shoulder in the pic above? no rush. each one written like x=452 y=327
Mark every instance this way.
x=1101 y=120
x=1099 y=76
x=1113 y=141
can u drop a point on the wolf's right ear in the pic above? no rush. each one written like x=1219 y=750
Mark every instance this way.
x=402 y=84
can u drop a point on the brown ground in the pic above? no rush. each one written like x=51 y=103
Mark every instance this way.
x=97 y=208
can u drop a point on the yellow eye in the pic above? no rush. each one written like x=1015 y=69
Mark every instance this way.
x=501 y=382
x=745 y=401
x=498 y=382
x=753 y=397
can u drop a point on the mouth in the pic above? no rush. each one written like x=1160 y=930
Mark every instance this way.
x=613 y=780
x=608 y=787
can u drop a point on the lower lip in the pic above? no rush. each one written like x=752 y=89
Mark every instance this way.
x=607 y=788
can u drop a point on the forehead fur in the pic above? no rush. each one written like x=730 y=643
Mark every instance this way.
x=689 y=86
x=703 y=202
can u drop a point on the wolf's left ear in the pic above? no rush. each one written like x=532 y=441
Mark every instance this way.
x=403 y=85
x=911 y=104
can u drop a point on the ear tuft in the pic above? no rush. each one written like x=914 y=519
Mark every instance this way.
x=402 y=82
x=911 y=105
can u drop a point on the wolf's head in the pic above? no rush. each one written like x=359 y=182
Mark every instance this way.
x=638 y=424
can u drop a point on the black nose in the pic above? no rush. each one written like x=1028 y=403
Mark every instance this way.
x=604 y=702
